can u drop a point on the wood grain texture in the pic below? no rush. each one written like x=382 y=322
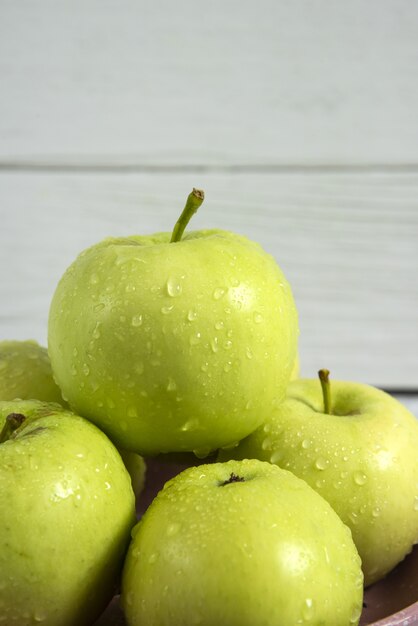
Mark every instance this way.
x=236 y=82
x=347 y=243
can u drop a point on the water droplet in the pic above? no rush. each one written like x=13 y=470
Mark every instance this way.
x=132 y=412
x=267 y=444
x=191 y=315
x=214 y=344
x=202 y=453
x=174 y=288
x=276 y=456
x=355 y=614
x=75 y=352
x=258 y=318
x=152 y=558
x=306 y=443
x=130 y=288
x=171 y=386
x=219 y=325
x=360 y=478
x=96 y=331
x=39 y=616
x=228 y=366
x=308 y=609
x=321 y=463
x=194 y=339
x=218 y=293
x=165 y=310
x=204 y=367
x=376 y=511
x=94 y=279
x=416 y=503
x=249 y=353
x=173 y=529
x=136 y=320
x=228 y=344
x=189 y=425
x=86 y=369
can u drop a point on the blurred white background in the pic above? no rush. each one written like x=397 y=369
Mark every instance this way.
x=298 y=118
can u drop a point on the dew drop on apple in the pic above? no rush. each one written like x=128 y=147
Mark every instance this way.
x=94 y=279
x=39 y=616
x=416 y=503
x=360 y=478
x=218 y=293
x=219 y=325
x=228 y=366
x=173 y=529
x=191 y=424
x=355 y=614
x=202 y=453
x=194 y=339
x=258 y=318
x=136 y=320
x=306 y=443
x=308 y=609
x=321 y=463
x=174 y=288
x=166 y=310
x=171 y=385
x=267 y=444
x=276 y=456
x=214 y=344
x=152 y=558
x=191 y=315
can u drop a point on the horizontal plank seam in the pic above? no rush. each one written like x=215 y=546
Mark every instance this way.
x=29 y=167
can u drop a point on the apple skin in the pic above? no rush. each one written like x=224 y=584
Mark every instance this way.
x=172 y=347
x=266 y=551
x=363 y=459
x=25 y=372
x=66 y=515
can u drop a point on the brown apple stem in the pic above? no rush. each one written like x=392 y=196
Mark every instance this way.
x=193 y=202
x=12 y=423
x=326 y=390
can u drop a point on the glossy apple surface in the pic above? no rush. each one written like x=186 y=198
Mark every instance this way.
x=25 y=372
x=244 y=544
x=67 y=508
x=174 y=346
x=363 y=459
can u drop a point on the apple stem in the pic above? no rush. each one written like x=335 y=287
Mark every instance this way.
x=194 y=200
x=326 y=390
x=12 y=423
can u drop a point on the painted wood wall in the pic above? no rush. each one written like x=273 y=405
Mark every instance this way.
x=298 y=118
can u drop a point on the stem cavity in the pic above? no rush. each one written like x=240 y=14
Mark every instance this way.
x=12 y=423
x=193 y=202
x=326 y=390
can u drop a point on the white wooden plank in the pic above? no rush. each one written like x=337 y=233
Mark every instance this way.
x=328 y=82
x=348 y=245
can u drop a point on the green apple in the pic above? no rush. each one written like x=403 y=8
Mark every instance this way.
x=67 y=509
x=359 y=450
x=243 y=543
x=25 y=372
x=172 y=343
